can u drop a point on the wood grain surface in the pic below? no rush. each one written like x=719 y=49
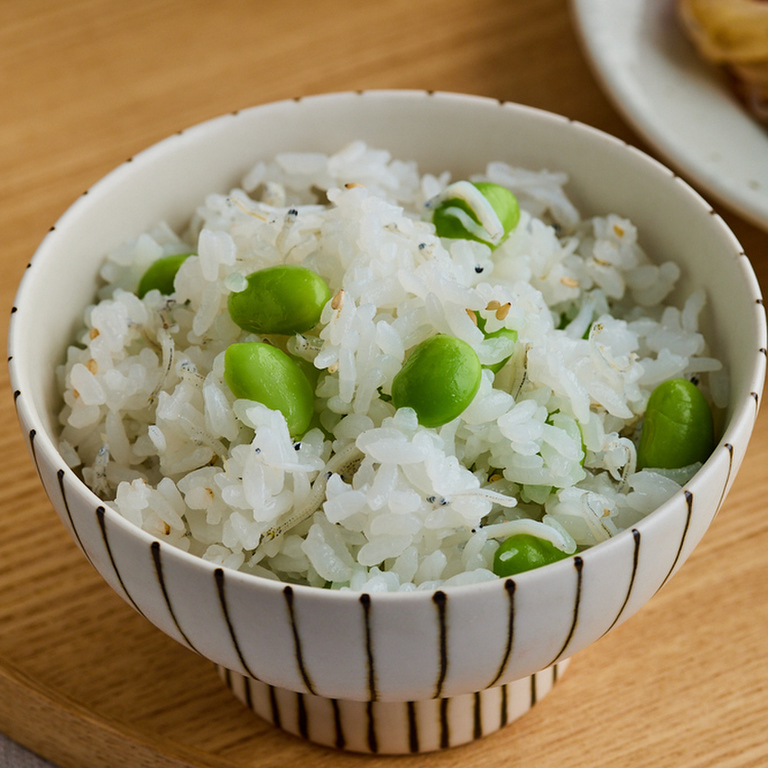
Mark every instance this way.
x=85 y=681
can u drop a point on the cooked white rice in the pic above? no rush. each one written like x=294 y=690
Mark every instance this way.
x=156 y=431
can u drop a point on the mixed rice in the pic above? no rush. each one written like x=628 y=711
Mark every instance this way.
x=547 y=446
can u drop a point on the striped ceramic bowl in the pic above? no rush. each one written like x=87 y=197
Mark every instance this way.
x=387 y=672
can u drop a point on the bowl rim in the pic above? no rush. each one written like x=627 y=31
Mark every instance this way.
x=744 y=411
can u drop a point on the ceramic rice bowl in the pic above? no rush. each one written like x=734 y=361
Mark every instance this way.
x=387 y=672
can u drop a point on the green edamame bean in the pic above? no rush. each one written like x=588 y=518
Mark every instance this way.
x=161 y=274
x=308 y=369
x=439 y=380
x=261 y=372
x=678 y=428
x=508 y=333
x=524 y=552
x=286 y=298
x=451 y=223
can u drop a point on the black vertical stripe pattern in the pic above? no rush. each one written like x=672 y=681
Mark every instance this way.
x=729 y=448
x=288 y=593
x=373 y=742
x=100 y=514
x=365 y=601
x=445 y=730
x=65 y=502
x=297 y=706
x=689 y=513
x=578 y=564
x=509 y=587
x=302 y=716
x=635 y=560
x=274 y=707
x=504 y=705
x=477 y=724
x=218 y=575
x=441 y=599
x=157 y=560
x=341 y=740
x=248 y=693
x=33 y=451
x=413 y=729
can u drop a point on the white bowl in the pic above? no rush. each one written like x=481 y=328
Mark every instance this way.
x=406 y=671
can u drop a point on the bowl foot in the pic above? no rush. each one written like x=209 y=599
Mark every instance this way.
x=393 y=727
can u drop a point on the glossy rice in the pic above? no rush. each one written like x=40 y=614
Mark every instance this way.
x=368 y=499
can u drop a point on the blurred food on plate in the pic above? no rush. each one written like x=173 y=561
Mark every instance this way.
x=733 y=34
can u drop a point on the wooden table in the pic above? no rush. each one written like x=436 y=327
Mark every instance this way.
x=84 y=681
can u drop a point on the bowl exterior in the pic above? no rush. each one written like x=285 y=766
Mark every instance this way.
x=406 y=646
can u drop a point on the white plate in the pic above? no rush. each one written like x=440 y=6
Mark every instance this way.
x=679 y=103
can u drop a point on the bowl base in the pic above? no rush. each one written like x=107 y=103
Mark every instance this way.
x=393 y=727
